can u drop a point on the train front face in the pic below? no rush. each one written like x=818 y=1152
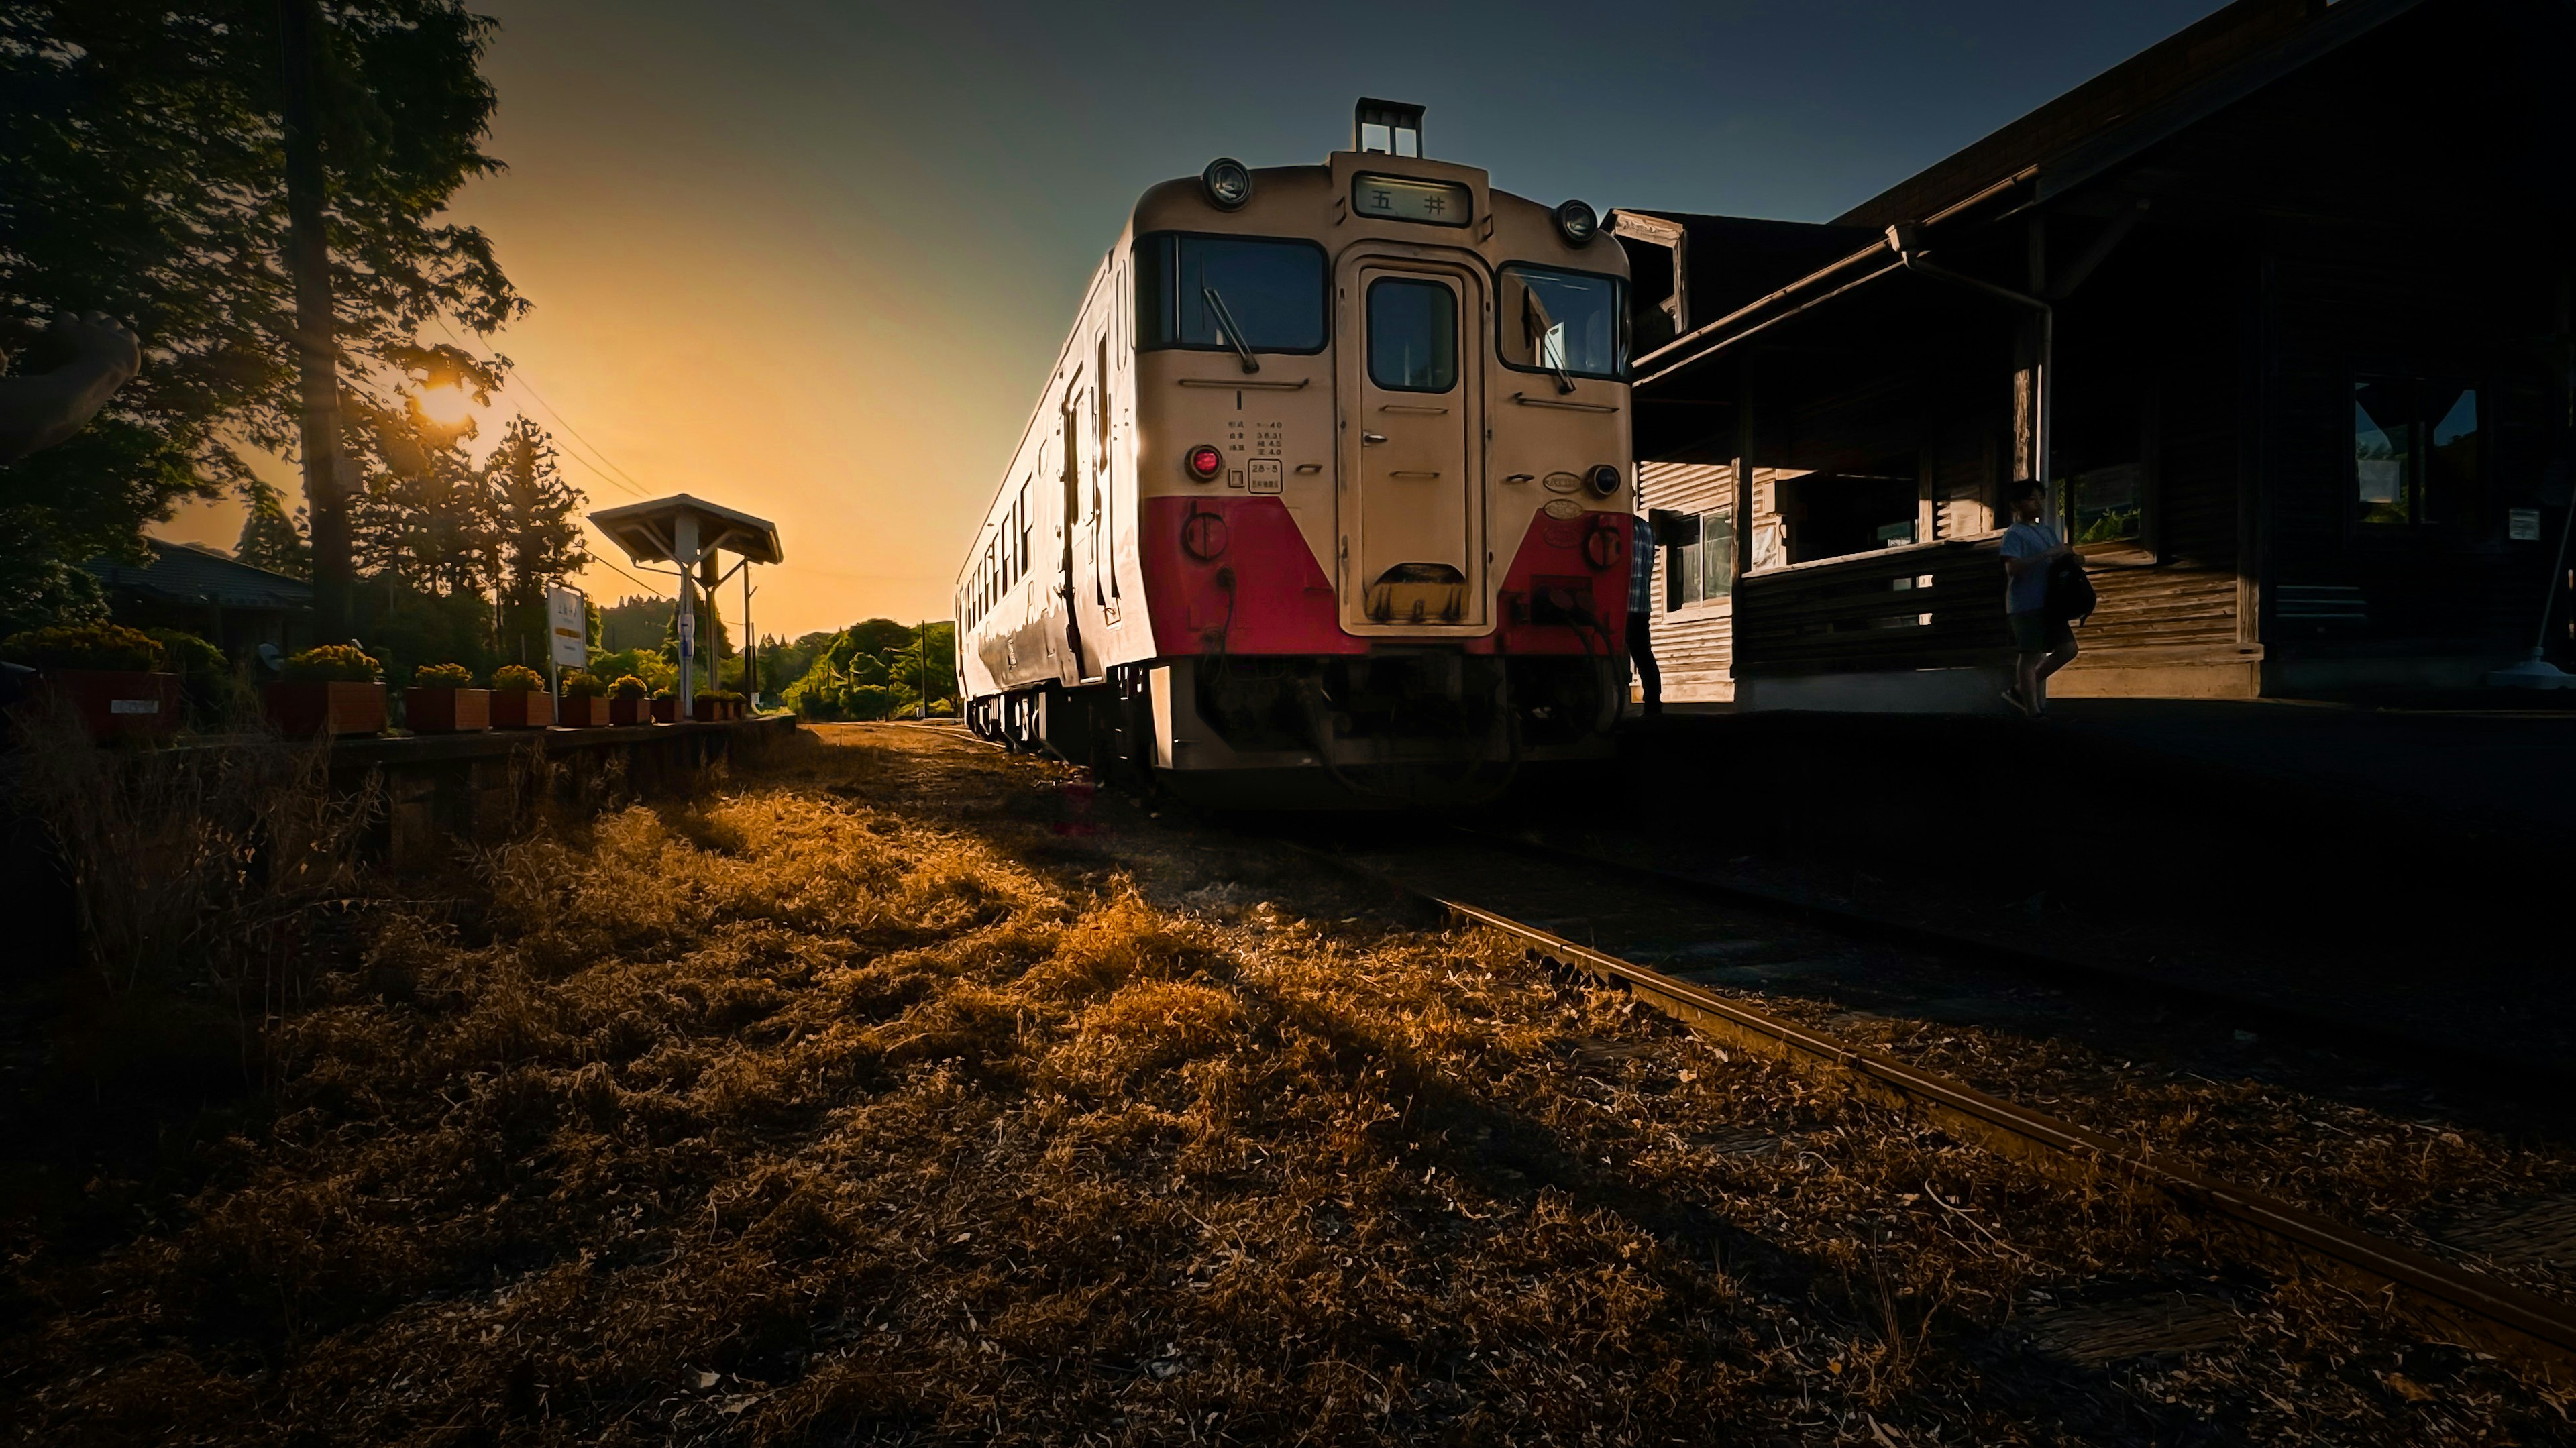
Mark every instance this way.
x=1383 y=478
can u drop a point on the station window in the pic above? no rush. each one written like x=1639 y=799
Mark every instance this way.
x=1840 y=515
x=1413 y=335
x=1186 y=286
x=2416 y=450
x=1573 y=320
x=1699 y=558
x=2107 y=505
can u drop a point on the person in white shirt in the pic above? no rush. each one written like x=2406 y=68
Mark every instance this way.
x=2042 y=644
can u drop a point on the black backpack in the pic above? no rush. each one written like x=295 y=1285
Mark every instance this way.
x=2070 y=593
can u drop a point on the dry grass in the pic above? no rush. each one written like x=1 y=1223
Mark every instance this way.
x=854 y=1105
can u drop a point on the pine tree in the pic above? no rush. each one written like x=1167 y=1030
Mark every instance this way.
x=537 y=539
x=269 y=538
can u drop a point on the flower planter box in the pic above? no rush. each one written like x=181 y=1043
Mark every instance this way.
x=706 y=710
x=118 y=703
x=587 y=712
x=447 y=711
x=666 y=711
x=532 y=709
x=628 y=711
x=301 y=711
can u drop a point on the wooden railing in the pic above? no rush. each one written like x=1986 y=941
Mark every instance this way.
x=1928 y=606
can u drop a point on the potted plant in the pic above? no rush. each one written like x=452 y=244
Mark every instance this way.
x=332 y=689
x=520 y=700
x=442 y=699
x=707 y=706
x=626 y=701
x=584 y=704
x=666 y=707
x=112 y=677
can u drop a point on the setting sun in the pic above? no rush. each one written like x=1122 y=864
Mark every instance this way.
x=448 y=406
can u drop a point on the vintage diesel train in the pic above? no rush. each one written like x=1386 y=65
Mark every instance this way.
x=1327 y=498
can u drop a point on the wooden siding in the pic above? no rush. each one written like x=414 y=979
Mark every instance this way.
x=1695 y=644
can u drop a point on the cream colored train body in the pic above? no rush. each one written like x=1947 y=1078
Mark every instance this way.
x=1327 y=496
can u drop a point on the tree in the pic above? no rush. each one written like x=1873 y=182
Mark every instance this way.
x=142 y=174
x=539 y=542
x=270 y=539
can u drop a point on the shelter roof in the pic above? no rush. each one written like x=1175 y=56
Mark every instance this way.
x=184 y=575
x=644 y=529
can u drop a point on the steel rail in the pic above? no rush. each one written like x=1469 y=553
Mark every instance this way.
x=2498 y=1316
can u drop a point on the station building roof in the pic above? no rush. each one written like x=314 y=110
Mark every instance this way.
x=179 y=574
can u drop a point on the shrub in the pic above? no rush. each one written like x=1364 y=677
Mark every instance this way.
x=627 y=687
x=331 y=664
x=664 y=694
x=103 y=646
x=186 y=654
x=581 y=684
x=518 y=679
x=443 y=676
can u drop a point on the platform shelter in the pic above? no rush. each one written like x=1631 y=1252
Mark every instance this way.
x=690 y=533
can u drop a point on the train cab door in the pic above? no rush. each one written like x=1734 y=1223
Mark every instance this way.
x=1412 y=445
x=1086 y=529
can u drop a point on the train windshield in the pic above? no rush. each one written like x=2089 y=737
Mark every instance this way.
x=1574 y=322
x=1187 y=286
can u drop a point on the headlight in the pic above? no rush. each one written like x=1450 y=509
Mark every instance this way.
x=1603 y=480
x=1227 y=184
x=1575 y=221
x=1204 y=462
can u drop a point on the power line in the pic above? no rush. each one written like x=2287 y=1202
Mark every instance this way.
x=520 y=378
x=616 y=477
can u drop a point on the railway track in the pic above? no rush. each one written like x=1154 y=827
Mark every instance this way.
x=2448 y=1302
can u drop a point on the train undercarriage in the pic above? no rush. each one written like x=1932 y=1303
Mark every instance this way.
x=1393 y=728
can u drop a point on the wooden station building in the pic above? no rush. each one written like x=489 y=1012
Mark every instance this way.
x=2279 y=307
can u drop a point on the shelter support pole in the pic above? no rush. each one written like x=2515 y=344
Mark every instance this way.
x=708 y=579
x=684 y=554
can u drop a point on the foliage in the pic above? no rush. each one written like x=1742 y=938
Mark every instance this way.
x=142 y=174
x=189 y=656
x=644 y=664
x=628 y=687
x=270 y=539
x=638 y=622
x=408 y=626
x=332 y=664
x=102 y=646
x=443 y=676
x=582 y=684
x=875 y=668
x=517 y=679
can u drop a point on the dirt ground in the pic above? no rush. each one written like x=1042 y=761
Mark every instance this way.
x=906 y=1092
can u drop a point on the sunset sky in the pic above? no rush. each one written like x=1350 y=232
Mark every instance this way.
x=812 y=260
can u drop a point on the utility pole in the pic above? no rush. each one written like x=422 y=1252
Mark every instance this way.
x=308 y=254
x=751 y=661
x=921 y=656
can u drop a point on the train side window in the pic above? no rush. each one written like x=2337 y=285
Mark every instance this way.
x=1187 y=285
x=1574 y=320
x=1413 y=335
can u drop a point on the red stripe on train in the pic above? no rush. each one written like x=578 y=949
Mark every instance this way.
x=1281 y=600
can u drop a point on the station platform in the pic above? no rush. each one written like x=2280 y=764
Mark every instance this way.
x=2401 y=868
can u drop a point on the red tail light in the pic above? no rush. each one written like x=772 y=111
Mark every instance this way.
x=1204 y=462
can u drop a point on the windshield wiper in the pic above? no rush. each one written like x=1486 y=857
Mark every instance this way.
x=1534 y=314
x=1233 y=333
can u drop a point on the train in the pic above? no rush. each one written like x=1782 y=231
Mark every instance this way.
x=1328 y=497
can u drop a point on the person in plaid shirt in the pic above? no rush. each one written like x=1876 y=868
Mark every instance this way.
x=1641 y=591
